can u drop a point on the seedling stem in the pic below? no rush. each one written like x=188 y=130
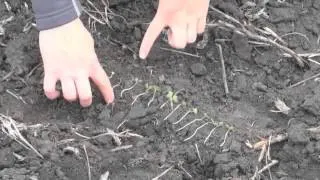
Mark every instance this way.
x=130 y=88
x=193 y=110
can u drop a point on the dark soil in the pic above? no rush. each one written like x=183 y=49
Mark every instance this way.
x=256 y=77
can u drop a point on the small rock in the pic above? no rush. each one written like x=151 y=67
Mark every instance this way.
x=312 y=104
x=316 y=4
x=282 y=15
x=18 y=116
x=46 y=147
x=104 y=140
x=137 y=33
x=6 y=158
x=105 y=114
x=236 y=95
x=137 y=111
x=297 y=134
x=242 y=46
x=235 y=146
x=210 y=55
x=260 y=86
x=222 y=158
x=198 y=69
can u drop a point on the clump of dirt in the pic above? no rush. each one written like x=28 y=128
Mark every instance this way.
x=182 y=123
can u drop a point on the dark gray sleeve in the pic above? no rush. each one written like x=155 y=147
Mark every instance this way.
x=53 y=13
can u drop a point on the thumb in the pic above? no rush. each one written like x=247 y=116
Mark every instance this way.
x=153 y=31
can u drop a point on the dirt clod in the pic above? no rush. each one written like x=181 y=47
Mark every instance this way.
x=198 y=69
x=7 y=158
x=260 y=86
x=298 y=134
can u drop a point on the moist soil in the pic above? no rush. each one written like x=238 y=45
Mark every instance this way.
x=149 y=143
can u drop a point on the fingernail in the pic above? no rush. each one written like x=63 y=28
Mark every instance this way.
x=142 y=55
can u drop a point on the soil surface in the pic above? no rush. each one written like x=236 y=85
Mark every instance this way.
x=140 y=141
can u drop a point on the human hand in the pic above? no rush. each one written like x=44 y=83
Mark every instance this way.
x=69 y=57
x=185 y=18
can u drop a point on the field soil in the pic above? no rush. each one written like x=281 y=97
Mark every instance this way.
x=185 y=125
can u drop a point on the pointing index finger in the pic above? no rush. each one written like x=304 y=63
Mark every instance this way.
x=153 y=31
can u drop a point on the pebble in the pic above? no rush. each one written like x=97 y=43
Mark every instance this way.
x=311 y=104
x=137 y=111
x=260 y=86
x=198 y=69
x=137 y=33
x=105 y=114
x=7 y=158
x=222 y=158
x=297 y=134
x=236 y=95
x=235 y=146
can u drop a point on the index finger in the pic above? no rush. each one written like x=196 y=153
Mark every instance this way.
x=153 y=31
x=100 y=78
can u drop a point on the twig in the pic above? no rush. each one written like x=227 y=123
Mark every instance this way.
x=262 y=153
x=88 y=163
x=198 y=153
x=10 y=128
x=184 y=170
x=34 y=69
x=224 y=76
x=163 y=173
x=268 y=166
x=180 y=52
x=16 y=96
x=121 y=148
x=305 y=80
x=244 y=31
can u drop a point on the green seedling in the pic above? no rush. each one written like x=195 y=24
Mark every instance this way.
x=193 y=121
x=136 y=81
x=172 y=98
x=191 y=111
